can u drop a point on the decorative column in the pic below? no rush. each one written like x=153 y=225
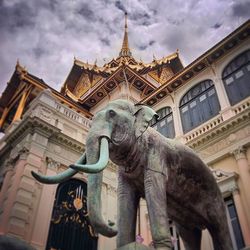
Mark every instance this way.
x=5 y=112
x=21 y=105
x=177 y=121
x=3 y=197
x=176 y=117
x=226 y=110
x=243 y=166
x=242 y=217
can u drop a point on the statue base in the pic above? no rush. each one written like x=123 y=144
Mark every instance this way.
x=134 y=246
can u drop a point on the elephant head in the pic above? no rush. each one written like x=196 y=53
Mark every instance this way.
x=116 y=126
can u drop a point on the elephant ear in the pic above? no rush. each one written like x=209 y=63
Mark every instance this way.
x=143 y=115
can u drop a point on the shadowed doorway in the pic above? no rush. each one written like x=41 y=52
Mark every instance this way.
x=70 y=228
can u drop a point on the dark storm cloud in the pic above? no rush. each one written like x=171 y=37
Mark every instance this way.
x=216 y=25
x=241 y=9
x=38 y=52
x=45 y=35
x=16 y=17
x=105 y=41
x=119 y=5
x=145 y=46
x=142 y=47
x=151 y=43
x=86 y=12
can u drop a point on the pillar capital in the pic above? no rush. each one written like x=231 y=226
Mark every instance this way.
x=235 y=190
x=240 y=153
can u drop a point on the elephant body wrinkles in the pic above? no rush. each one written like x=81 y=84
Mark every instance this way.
x=173 y=180
x=182 y=171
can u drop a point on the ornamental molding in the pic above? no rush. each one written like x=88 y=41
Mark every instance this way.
x=17 y=153
x=45 y=113
x=48 y=108
x=217 y=128
x=35 y=124
x=52 y=163
x=221 y=175
x=240 y=153
x=225 y=145
x=227 y=181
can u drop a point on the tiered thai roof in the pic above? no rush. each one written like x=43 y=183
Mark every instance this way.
x=88 y=83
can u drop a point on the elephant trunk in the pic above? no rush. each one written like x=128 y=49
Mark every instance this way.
x=94 y=192
x=94 y=207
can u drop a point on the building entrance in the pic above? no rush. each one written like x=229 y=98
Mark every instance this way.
x=70 y=228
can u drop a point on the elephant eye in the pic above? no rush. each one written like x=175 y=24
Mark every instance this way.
x=111 y=113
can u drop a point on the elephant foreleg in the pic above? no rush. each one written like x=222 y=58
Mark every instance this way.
x=128 y=201
x=155 y=192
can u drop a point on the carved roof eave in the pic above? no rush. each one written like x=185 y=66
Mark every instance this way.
x=24 y=76
x=33 y=124
x=94 y=68
x=92 y=92
x=201 y=63
x=222 y=129
x=156 y=63
x=138 y=66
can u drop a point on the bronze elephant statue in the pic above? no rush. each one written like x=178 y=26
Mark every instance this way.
x=173 y=180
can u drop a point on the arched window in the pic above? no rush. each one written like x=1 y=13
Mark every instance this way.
x=164 y=124
x=198 y=105
x=236 y=78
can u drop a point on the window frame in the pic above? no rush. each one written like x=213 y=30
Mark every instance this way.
x=164 y=114
x=236 y=87
x=193 y=110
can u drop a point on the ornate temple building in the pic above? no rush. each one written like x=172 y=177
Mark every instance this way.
x=205 y=105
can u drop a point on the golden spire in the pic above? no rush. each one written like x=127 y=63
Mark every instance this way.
x=125 y=51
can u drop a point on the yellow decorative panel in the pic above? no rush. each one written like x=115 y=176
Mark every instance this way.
x=82 y=86
x=161 y=75
x=96 y=79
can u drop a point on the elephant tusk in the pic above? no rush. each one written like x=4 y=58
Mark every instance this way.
x=59 y=177
x=100 y=165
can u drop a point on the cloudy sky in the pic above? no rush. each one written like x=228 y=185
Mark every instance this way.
x=45 y=35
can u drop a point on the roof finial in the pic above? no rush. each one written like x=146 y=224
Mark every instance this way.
x=125 y=51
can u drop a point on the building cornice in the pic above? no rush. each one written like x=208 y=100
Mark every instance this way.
x=31 y=125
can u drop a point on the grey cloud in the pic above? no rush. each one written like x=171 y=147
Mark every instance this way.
x=216 y=25
x=105 y=41
x=39 y=52
x=241 y=9
x=16 y=17
x=142 y=47
x=152 y=42
x=120 y=6
x=46 y=35
x=175 y=21
x=86 y=12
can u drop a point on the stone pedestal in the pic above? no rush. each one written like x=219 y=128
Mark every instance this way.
x=134 y=246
